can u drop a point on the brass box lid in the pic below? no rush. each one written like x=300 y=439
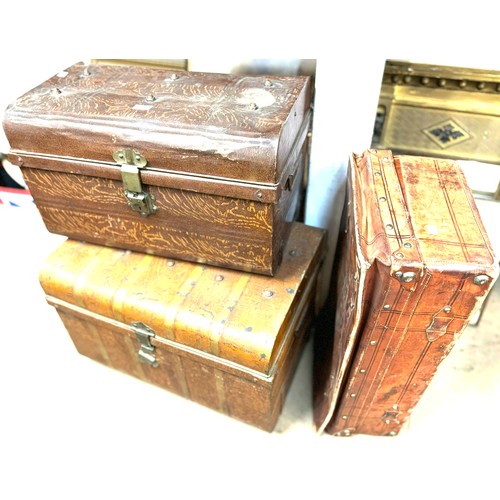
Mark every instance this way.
x=443 y=111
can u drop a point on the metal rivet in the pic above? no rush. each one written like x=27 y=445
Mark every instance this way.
x=170 y=263
x=20 y=160
x=387 y=421
x=377 y=173
x=462 y=83
x=425 y=80
x=407 y=277
x=407 y=245
x=259 y=194
x=396 y=78
x=292 y=253
x=173 y=76
x=407 y=79
x=389 y=226
x=395 y=407
x=398 y=274
x=253 y=106
x=268 y=83
x=353 y=395
x=373 y=342
x=121 y=155
x=385 y=158
x=356 y=277
x=137 y=157
x=267 y=294
x=442 y=82
x=399 y=255
x=344 y=417
x=447 y=309
x=392 y=433
x=481 y=279
x=362 y=371
x=383 y=198
x=481 y=85
x=387 y=306
x=351 y=305
x=346 y=432
x=219 y=277
x=150 y=98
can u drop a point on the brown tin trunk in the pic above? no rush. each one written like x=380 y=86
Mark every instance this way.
x=196 y=166
x=226 y=339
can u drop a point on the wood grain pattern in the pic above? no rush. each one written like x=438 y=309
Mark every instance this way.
x=211 y=347
x=405 y=215
x=228 y=232
x=237 y=233
x=221 y=153
x=229 y=126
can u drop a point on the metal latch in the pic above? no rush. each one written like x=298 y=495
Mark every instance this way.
x=138 y=199
x=146 y=352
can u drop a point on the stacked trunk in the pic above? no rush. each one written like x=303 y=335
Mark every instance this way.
x=179 y=193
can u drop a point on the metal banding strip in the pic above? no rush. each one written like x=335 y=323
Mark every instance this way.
x=300 y=310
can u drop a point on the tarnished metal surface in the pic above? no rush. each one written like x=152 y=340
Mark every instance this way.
x=440 y=111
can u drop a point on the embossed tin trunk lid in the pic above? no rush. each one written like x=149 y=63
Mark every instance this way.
x=240 y=128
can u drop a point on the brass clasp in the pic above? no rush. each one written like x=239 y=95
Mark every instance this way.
x=144 y=335
x=131 y=162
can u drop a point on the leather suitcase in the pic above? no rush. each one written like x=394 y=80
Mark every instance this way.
x=196 y=166
x=414 y=266
x=227 y=339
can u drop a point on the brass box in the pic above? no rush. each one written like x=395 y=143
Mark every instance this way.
x=442 y=111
